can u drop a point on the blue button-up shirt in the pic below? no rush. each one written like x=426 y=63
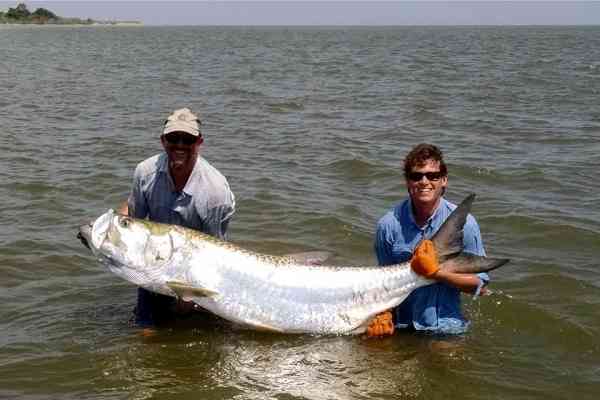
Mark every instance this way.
x=435 y=307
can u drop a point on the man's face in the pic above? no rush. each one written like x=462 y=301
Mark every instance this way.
x=182 y=149
x=425 y=183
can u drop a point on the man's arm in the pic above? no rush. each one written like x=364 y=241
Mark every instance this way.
x=382 y=245
x=218 y=217
x=472 y=243
x=217 y=221
x=136 y=205
x=468 y=283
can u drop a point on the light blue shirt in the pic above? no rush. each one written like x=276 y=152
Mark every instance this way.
x=206 y=203
x=435 y=307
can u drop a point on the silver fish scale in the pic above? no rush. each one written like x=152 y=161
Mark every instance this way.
x=262 y=292
x=296 y=298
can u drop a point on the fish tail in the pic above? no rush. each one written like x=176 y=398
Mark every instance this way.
x=448 y=242
x=466 y=263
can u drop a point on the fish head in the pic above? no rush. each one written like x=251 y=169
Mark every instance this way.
x=134 y=249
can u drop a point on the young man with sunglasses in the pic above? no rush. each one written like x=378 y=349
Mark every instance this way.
x=178 y=187
x=434 y=308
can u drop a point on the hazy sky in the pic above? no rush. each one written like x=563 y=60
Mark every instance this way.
x=332 y=12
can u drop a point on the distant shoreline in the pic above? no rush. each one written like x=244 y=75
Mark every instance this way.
x=93 y=24
x=20 y=15
x=324 y=26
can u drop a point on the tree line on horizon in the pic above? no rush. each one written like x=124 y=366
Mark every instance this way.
x=21 y=15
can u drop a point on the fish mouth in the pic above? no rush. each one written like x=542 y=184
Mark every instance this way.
x=85 y=235
x=100 y=229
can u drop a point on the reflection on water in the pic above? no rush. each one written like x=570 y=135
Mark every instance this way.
x=219 y=360
x=254 y=365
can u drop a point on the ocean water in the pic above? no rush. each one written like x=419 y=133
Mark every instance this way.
x=310 y=126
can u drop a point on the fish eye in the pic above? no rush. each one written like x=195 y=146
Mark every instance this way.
x=125 y=222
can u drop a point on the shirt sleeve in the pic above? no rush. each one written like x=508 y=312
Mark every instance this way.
x=474 y=244
x=472 y=241
x=217 y=218
x=217 y=221
x=383 y=245
x=136 y=203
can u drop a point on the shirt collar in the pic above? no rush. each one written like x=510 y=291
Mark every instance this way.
x=194 y=179
x=163 y=167
x=436 y=214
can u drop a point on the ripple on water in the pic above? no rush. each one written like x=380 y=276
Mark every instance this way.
x=356 y=169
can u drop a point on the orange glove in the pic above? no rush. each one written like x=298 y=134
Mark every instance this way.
x=382 y=325
x=424 y=261
x=148 y=332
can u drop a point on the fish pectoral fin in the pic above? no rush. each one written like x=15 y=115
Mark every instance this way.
x=261 y=326
x=356 y=320
x=186 y=291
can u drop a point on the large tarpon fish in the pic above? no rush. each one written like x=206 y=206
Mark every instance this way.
x=266 y=292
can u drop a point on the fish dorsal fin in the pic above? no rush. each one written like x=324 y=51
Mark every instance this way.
x=187 y=292
x=310 y=257
x=448 y=239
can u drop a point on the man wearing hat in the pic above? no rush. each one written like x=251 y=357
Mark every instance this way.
x=178 y=187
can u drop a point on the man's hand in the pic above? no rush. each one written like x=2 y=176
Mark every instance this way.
x=148 y=332
x=382 y=325
x=424 y=261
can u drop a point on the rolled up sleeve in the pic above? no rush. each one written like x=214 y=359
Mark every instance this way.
x=474 y=244
x=383 y=245
x=217 y=220
x=136 y=203
x=218 y=217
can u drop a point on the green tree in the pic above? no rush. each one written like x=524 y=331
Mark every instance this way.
x=21 y=12
x=43 y=13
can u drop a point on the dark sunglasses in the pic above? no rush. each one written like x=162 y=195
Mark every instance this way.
x=432 y=176
x=185 y=139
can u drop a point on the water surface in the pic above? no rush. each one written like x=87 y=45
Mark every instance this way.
x=310 y=126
